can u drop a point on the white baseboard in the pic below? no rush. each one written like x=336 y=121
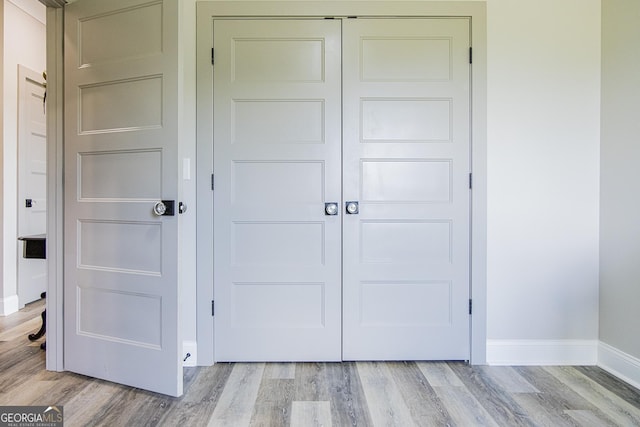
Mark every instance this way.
x=619 y=364
x=190 y=347
x=9 y=305
x=542 y=352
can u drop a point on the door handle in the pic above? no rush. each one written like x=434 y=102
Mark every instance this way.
x=164 y=208
x=331 y=208
x=352 y=208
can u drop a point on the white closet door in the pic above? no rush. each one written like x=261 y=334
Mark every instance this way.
x=277 y=255
x=397 y=265
x=406 y=161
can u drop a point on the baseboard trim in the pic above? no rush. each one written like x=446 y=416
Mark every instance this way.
x=190 y=347
x=542 y=352
x=9 y=305
x=619 y=364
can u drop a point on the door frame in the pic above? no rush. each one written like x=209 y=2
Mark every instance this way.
x=209 y=10
x=55 y=179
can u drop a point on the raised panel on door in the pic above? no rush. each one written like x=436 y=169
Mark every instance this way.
x=277 y=256
x=121 y=261
x=406 y=160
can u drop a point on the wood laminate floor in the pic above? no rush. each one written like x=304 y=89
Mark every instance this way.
x=321 y=394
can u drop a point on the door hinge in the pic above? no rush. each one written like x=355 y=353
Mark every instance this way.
x=470 y=181
x=470 y=306
x=211 y=182
x=213 y=311
x=470 y=55
x=211 y=56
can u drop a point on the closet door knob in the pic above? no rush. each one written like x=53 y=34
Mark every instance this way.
x=331 y=208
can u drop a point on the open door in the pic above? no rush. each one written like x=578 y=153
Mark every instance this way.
x=121 y=140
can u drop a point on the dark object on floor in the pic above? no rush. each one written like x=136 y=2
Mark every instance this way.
x=43 y=327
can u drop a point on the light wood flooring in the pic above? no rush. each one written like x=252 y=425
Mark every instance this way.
x=321 y=394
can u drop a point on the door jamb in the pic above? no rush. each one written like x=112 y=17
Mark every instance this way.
x=55 y=109
x=206 y=10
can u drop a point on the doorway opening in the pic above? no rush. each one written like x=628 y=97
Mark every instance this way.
x=32 y=186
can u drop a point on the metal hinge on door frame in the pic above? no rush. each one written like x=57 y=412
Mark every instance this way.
x=211 y=56
x=470 y=180
x=213 y=311
x=470 y=55
x=470 y=306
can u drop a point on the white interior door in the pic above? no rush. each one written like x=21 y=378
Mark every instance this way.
x=121 y=264
x=406 y=161
x=277 y=113
x=397 y=264
x=32 y=181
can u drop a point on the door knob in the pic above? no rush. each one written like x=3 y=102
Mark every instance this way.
x=331 y=208
x=164 y=208
x=159 y=208
x=353 y=208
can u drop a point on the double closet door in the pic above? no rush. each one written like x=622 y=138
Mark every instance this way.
x=341 y=199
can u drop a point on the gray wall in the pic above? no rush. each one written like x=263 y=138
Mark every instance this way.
x=543 y=137
x=620 y=176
